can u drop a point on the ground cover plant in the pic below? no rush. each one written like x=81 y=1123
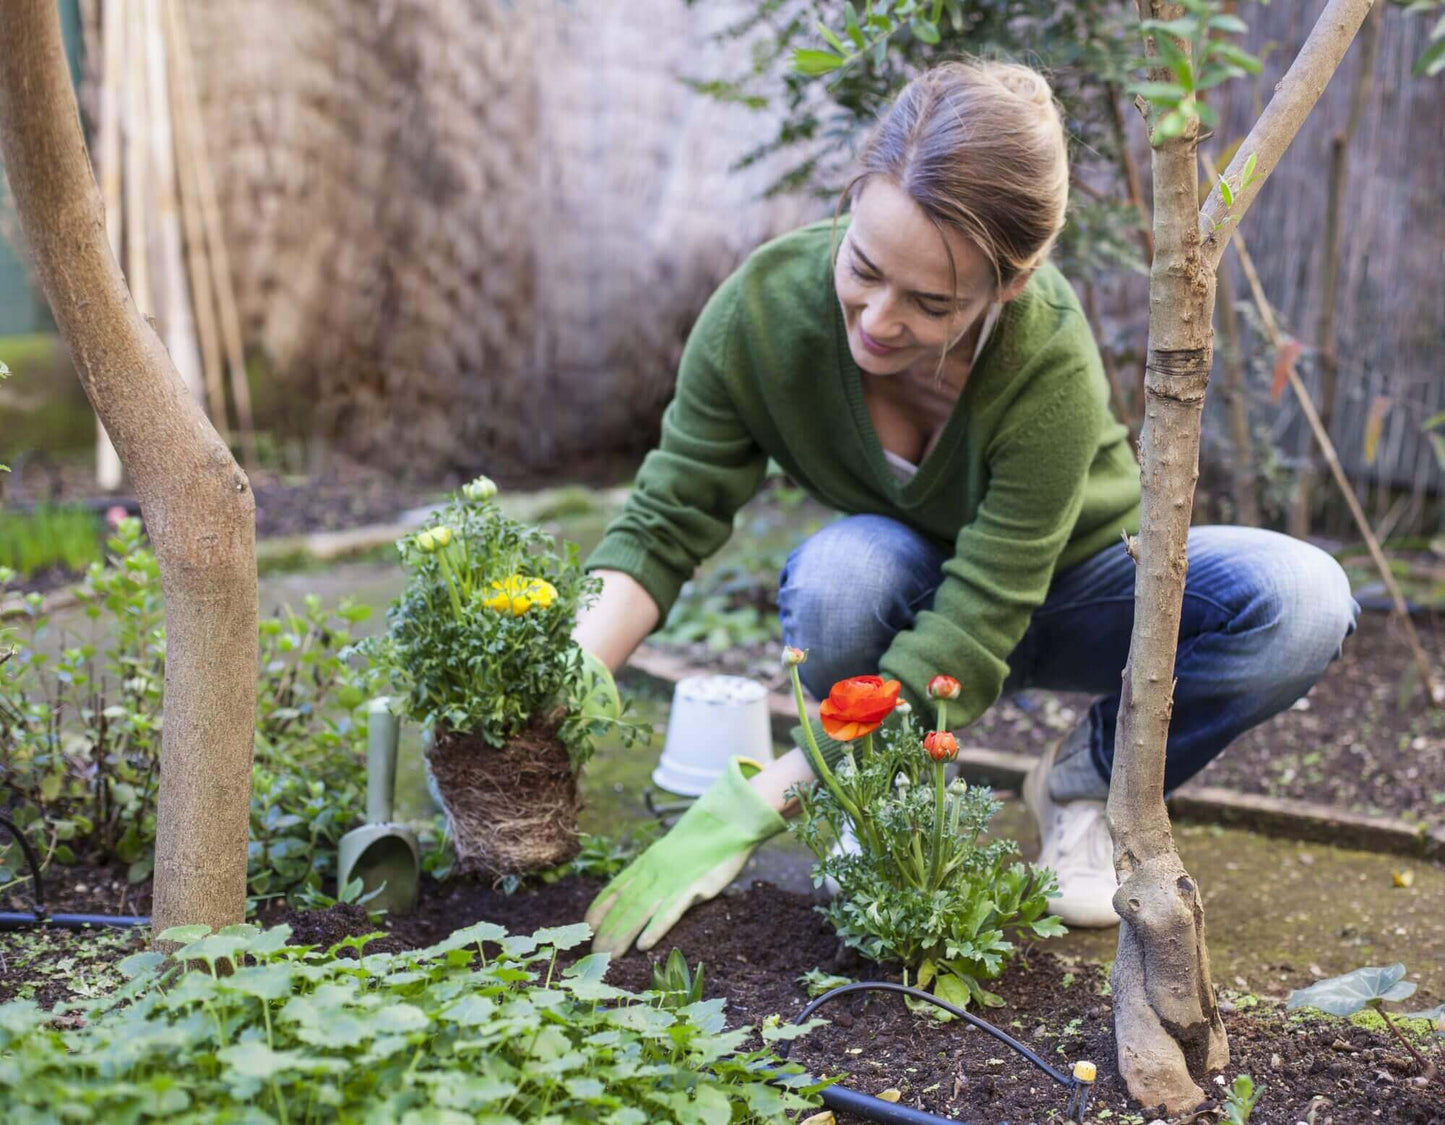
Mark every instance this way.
x=82 y=730
x=919 y=889
x=479 y=651
x=481 y=1026
x=1370 y=989
x=49 y=536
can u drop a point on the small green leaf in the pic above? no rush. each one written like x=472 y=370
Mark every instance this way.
x=855 y=31
x=831 y=37
x=925 y=32
x=1246 y=175
x=814 y=63
x=1226 y=193
x=1160 y=93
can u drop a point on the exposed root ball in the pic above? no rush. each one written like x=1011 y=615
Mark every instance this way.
x=512 y=809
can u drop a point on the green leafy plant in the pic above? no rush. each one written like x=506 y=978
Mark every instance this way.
x=82 y=729
x=65 y=536
x=921 y=889
x=712 y=621
x=482 y=1026
x=480 y=639
x=1371 y=987
x=675 y=982
x=1241 y=1099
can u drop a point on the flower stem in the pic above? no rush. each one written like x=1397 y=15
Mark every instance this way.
x=815 y=758
x=1425 y=1068
x=938 y=811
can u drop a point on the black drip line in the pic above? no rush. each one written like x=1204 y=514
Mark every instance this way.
x=842 y=1098
x=29 y=919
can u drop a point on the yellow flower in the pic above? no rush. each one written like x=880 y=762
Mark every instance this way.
x=517 y=593
x=442 y=535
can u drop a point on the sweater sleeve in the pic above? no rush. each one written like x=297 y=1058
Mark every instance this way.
x=706 y=466
x=1004 y=559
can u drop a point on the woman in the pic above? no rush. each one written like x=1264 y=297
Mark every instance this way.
x=920 y=367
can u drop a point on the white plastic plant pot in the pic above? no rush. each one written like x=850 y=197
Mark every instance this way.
x=713 y=718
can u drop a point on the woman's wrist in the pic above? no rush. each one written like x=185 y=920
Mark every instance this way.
x=614 y=625
x=774 y=783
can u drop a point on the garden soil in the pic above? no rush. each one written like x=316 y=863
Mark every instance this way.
x=756 y=943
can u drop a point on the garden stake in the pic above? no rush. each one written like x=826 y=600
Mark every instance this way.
x=842 y=1099
x=382 y=854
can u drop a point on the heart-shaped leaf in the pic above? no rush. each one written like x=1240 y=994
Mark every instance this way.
x=1345 y=995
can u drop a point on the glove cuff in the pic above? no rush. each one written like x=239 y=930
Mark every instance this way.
x=735 y=802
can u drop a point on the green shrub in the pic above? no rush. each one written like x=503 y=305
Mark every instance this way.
x=81 y=730
x=435 y=1036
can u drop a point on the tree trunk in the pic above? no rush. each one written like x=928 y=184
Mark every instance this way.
x=197 y=503
x=1166 y=1018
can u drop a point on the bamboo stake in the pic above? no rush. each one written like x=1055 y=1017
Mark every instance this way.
x=108 y=472
x=172 y=295
x=1433 y=691
x=196 y=258
x=137 y=273
x=216 y=244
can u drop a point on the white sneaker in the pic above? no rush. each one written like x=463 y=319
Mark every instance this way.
x=1077 y=846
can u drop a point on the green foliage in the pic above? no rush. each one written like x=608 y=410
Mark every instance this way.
x=1195 y=57
x=51 y=535
x=1241 y=1099
x=480 y=639
x=676 y=983
x=817 y=982
x=1352 y=992
x=82 y=730
x=436 y=1036
x=922 y=890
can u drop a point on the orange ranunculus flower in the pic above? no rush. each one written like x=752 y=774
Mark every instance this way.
x=941 y=745
x=944 y=687
x=857 y=706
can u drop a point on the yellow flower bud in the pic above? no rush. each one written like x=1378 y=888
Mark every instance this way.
x=483 y=488
x=442 y=536
x=426 y=542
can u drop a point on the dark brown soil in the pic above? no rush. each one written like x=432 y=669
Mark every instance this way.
x=756 y=943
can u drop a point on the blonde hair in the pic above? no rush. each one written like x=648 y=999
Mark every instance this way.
x=980 y=147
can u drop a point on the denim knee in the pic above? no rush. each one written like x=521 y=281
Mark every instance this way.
x=847 y=590
x=1296 y=600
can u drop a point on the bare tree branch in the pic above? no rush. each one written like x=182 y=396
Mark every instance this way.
x=1294 y=97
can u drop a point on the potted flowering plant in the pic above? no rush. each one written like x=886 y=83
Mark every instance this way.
x=920 y=888
x=478 y=650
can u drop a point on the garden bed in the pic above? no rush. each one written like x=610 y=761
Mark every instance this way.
x=756 y=943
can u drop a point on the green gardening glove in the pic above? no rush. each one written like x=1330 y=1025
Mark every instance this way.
x=700 y=856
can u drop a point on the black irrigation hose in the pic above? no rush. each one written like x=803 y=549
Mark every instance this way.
x=24 y=920
x=841 y=1098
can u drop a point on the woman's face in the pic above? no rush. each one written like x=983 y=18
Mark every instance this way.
x=895 y=286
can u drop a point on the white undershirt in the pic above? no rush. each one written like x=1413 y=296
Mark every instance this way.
x=906 y=470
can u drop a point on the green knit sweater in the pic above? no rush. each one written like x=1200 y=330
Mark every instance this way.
x=1031 y=475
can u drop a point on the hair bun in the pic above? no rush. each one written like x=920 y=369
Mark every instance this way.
x=1022 y=82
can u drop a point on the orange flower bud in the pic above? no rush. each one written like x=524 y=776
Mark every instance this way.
x=944 y=687
x=941 y=745
x=793 y=656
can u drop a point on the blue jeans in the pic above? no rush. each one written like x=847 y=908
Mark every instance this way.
x=1263 y=617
